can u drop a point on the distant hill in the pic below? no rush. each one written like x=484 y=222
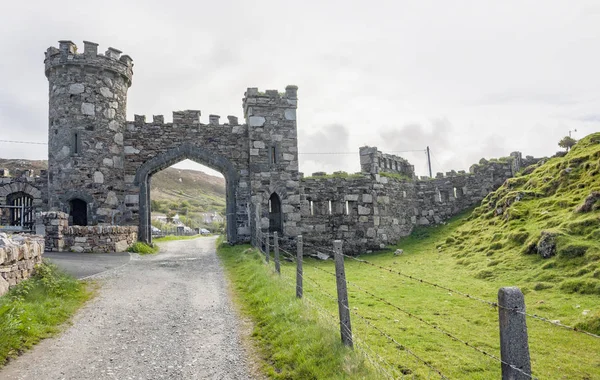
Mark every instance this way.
x=16 y=164
x=187 y=192
x=179 y=190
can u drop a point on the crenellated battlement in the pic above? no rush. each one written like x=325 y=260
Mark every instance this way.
x=67 y=55
x=273 y=98
x=184 y=118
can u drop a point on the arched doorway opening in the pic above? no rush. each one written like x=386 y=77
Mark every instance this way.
x=275 y=215
x=168 y=158
x=78 y=212
x=21 y=210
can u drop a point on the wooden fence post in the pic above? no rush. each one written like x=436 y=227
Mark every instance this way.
x=299 y=255
x=514 y=346
x=267 y=253
x=276 y=251
x=342 y=293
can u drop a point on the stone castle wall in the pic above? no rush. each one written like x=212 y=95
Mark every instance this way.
x=369 y=211
x=18 y=256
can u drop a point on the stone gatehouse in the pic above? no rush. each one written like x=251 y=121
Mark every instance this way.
x=100 y=166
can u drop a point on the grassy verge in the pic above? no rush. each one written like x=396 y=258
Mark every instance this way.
x=143 y=248
x=174 y=237
x=294 y=342
x=553 y=350
x=35 y=309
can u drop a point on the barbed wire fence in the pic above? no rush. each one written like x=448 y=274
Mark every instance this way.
x=515 y=363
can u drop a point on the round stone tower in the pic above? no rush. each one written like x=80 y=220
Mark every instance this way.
x=88 y=101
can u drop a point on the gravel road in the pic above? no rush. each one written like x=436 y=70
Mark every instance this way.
x=165 y=316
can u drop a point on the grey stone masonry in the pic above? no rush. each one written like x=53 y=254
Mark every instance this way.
x=88 y=100
x=371 y=210
x=273 y=147
x=99 y=159
x=372 y=161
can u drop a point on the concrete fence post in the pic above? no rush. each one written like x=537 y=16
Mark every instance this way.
x=342 y=293
x=276 y=251
x=514 y=346
x=267 y=253
x=299 y=255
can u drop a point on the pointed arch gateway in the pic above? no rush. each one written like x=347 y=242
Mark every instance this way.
x=173 y=156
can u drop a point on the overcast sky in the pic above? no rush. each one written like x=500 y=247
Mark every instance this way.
x=470 y=79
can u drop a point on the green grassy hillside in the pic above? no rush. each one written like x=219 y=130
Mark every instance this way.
x=187 y=192
x=547 y=220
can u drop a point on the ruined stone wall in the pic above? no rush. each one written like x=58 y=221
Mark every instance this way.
x=370 y=211
x=99 y=238
x=365 y=211
x=87 y=102
x=18 y=256
x=372 y=161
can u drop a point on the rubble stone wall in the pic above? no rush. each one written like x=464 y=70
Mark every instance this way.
x=99 y=238
x=53 y=225
x=369 y=211
x=18 y=256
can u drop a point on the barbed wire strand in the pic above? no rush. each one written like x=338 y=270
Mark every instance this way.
x=360 y=344
x=412 y=315
x=471 y=297
x=463 y=294
x=333 y=298
x=448 y=334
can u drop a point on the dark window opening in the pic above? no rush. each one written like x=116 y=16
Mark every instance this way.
x=273 y=152
x=76 y=143
x=78 y=212
x=275 y=215
x=21 y=212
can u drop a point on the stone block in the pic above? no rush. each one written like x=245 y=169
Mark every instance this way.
x=290 y=114
x=121 y=246
x=98 y=177
x=88 y=109
x=256 y=121
x=4 y=286
x=76 y=88
x=367 y=198
x=362 y=210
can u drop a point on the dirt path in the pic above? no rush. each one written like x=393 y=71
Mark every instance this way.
x=159 y=317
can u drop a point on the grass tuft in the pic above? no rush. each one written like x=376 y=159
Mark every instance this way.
x=35 y=309
x=143 y=248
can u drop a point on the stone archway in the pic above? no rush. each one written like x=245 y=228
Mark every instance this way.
x=172 y=156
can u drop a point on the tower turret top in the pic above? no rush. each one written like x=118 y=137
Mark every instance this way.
x=67 y=54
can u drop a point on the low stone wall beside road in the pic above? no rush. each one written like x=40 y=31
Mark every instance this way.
x=18 y=256
x=99 y=238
